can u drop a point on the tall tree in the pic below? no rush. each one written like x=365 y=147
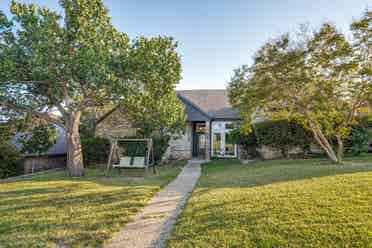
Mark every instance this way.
x=155 y=108
x=154 y=68
x=312 y=77
x=55 y=68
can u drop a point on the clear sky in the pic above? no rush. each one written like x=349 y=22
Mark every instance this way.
x=216 y=36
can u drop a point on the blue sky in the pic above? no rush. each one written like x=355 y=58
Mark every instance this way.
x=216 y=36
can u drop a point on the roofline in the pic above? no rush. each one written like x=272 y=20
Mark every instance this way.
x=194 y=106
x=226 y=119
x=203 y=90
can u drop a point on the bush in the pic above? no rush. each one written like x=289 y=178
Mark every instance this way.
x=38 y=140
x=95 y=149
x=161 y=144
x=247 y=141
x=283 y=134
x=360 y=135
x=10 y=161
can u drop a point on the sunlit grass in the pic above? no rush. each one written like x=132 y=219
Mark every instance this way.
x=293 y=203
x=52 y=208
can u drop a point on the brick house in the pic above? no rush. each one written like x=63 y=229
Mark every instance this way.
x=210 y=119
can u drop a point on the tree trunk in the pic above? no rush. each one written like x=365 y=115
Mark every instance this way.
x=322 y=140
x=340 y=149
x=75 y=163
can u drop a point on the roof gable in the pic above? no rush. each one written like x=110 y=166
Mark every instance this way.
x=213 y=103
x=193 y=113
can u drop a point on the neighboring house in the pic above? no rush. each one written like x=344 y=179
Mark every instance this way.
x=55 y=157
x=210 y=119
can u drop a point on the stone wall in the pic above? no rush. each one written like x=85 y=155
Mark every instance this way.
x=180 y=147
x=269 y=152
x=116 y=124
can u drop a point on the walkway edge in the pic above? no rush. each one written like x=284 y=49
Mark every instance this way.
x=151 y=227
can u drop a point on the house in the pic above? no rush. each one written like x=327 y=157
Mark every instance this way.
x=210 y=119
x=54 y=157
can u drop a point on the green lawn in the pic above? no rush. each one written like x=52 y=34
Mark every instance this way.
x=293 y=203
x=49 y=209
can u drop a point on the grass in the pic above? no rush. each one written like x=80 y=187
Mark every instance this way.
x=53 y=209
x=288 y=203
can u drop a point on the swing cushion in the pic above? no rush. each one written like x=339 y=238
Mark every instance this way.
x=139 y=162
x=124 y=162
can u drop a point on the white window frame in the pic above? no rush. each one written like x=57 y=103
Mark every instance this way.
x=223 y=132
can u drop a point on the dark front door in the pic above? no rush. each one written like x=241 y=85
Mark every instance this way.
x=199 y=144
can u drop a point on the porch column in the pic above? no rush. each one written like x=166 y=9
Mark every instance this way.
x=207 y=140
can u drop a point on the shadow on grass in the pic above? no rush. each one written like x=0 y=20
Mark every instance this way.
x=231 y=173
x=45 y=209
x=115 y=176
x=251 y=205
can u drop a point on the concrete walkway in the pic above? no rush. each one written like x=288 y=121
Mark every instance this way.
x=151 y=227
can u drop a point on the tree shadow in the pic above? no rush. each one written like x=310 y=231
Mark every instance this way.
x=233 y=174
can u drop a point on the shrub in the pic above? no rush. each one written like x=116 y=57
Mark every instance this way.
x=360 y=135
x=282 y=134
x=38 y=140
x=247 y=141
x=161 y=144
x=10 y=161
x=95 y=149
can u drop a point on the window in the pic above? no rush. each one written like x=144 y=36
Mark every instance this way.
x=223 y=145
x=200 y=127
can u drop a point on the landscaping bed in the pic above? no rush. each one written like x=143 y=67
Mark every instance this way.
x=286 y=203
x=53 y=208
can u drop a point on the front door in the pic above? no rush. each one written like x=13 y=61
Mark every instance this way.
x=199 y=144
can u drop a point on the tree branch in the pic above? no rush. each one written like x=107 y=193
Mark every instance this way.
x=47 y=116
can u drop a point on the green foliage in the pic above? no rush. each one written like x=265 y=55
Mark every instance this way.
x=282 y=134
x=10 y=161
x=320 y=77
x=360 y=136
x=77 y=61
x=95 y=150
x=5 y=133
x=153 y=104
x=161 y=144
x=247 y=140
x=39 y=139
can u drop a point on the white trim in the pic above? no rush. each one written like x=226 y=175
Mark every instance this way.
x=223 y=141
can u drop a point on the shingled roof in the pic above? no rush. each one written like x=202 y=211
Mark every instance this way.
x=213 y=104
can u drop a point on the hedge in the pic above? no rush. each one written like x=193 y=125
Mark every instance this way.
x=95 y=150
x=283 y=134
x=280 y=134
x=359 y=137
x=10 y=161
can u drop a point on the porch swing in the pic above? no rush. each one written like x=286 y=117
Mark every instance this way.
x=130 y=156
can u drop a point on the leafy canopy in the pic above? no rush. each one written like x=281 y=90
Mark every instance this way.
x=320 y=78
x=55 y=68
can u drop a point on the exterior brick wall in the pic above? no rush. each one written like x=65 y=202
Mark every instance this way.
x=116 y=124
